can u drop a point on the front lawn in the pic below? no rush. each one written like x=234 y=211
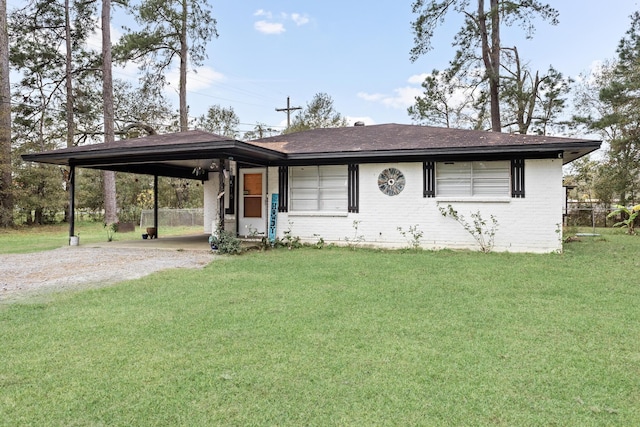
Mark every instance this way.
x=339 y=337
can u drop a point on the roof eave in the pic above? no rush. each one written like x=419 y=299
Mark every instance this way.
x=567 y=151
x=149 y=154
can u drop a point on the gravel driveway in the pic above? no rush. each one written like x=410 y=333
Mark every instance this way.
x=79 y=267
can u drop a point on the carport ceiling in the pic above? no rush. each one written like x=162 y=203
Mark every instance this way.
x=174 y=155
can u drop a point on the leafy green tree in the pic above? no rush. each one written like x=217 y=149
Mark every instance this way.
x=49 y=52
x=319 y=113
x=220 y=120
x=451 y=102
x=609 y=103
x=39 y=192
x=6 y=186
x=533 y=101
x=260 y=130
x=479 y=39
x=553 y=102
x=141 y=112
x=169 y=30
x=39 y=188
x=530 y=102
x=180 y=193
x=89 y=185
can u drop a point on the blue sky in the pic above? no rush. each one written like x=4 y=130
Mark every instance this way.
x=358 y=53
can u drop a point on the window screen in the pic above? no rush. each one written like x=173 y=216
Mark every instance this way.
x=482 y=179
x=318 y=188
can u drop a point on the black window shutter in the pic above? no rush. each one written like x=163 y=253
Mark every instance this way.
x=517 y=178
x=353 y=190
x=428 y=179
x=231 y=210
x=283 y=189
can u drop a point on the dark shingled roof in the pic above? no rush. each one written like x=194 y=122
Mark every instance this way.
x=396 y=140
x=177 y=154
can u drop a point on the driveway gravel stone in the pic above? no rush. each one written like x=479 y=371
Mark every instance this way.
x=81 y=267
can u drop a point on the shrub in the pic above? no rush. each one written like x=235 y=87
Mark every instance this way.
x=225 y=242
x=413 y=236
x=482 y=232
x=630 y=213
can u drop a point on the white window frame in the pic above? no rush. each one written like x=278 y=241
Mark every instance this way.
x=473 y=179
x=318 y=189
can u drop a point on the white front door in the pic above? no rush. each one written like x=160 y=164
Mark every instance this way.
x=252 y=206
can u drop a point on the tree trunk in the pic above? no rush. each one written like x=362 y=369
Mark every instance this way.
x=69 y=95
x=6 y=193
x=491 y=58
x=38 y=216
x=494 y=81
x=184 y=113
x=68 y=77
x=110 y=207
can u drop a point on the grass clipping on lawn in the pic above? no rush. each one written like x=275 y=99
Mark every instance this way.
x=339 y=337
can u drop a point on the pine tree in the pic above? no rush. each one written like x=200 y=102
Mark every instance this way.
x=6 y=193
x=169 y=30
x=319 y=113
x=478 y=40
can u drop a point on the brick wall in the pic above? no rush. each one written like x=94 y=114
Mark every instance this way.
x=530 y=224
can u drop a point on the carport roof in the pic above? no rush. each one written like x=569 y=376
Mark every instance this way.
x=174 y=154
x=178 y=154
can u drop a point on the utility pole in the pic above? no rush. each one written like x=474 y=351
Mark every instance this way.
x=289 y=109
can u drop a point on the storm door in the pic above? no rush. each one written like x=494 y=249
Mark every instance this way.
x=253 y=212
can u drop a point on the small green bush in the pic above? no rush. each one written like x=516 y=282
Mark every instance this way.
x=225 y=242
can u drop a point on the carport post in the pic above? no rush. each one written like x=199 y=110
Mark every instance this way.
x=221 y=194
x=155 y=203
x=72 y=204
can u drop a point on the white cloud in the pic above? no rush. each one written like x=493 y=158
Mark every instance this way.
x=265 y=27
x=404 y=97
x=372 y=97
x=299 y=19
x=595 y=70
x=262 y=12
x=401 y=98
x=418 y=78
x=197 y=80
x=276 y=25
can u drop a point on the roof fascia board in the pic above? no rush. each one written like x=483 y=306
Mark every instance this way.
x=116 y=155
x=548 y=150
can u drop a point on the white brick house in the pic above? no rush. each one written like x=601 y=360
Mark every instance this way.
x=378 y=177
x=334 y=180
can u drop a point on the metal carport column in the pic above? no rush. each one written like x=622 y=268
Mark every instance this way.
x=72 y=204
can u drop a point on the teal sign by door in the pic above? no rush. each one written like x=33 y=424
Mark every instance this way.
x=273 y=218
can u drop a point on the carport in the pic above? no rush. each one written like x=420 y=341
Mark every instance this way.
x=190 y=155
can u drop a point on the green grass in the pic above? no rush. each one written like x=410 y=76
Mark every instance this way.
x=339 y=337
x=42 y=238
